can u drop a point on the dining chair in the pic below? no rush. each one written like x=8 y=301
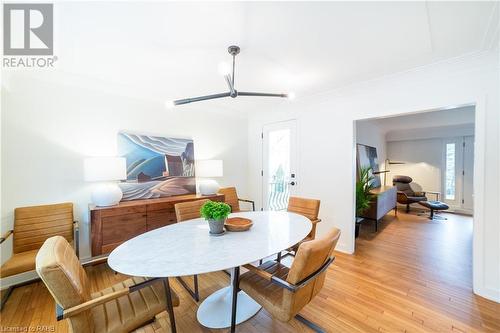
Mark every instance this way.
x=305 y=207
x=232 y=199
x=120 y=308
x=308 y=208
x=32 y=226
x=285 y=291
x=187 y=211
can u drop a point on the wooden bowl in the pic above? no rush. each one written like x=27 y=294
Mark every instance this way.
x=238 y=224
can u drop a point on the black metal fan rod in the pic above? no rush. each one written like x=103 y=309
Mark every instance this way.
x=233 y=50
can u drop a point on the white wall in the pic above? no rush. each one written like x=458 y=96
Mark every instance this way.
x=326 y=131
x=47 y=130
x=368 y=133
x=423 y=162
x=422 y=151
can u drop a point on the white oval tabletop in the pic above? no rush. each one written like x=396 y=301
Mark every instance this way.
x=186 y=248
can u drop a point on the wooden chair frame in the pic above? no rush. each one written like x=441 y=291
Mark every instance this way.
x=283 y=284
x=76 y=240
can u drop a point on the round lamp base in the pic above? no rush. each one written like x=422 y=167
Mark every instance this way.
x=106 y=195
x=209 y=187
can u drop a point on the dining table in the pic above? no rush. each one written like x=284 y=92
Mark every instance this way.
x=187 y=248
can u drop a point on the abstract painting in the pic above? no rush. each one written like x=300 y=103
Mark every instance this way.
x=156 y=166
x=367 y=157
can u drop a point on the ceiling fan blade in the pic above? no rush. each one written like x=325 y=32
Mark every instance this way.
x=243 y=93
x=201 y=98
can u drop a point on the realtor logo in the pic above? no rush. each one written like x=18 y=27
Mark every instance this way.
x=28 y=29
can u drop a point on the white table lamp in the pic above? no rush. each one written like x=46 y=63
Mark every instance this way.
x=209 y=169
x=105 y=170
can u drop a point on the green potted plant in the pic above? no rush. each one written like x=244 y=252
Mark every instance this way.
x=216 y=214
x=363 y=195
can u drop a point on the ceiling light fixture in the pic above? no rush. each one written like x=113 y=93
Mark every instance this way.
x=228 y=73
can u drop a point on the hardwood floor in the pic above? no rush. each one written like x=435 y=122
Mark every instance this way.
x=413 y=275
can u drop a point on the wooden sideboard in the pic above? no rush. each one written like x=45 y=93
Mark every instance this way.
x=384 y=201
x=111 y=226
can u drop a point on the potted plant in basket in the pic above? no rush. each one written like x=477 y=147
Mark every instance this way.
x=216 y=214
x=363 y=195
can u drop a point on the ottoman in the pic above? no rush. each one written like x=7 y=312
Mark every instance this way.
x=434 y=205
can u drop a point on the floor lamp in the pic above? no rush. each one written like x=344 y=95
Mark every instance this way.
x=386 y=164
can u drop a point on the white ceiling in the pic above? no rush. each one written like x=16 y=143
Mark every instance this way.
x=432 y=119
x=171 y=50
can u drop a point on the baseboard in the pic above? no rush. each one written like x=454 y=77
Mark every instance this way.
x=417 y=208
x=489 y=293
x=341 y=247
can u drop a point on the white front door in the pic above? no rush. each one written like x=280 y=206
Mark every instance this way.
x=468 y=174
x=458 y=173
x=279 y=167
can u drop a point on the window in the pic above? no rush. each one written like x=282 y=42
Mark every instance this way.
x=450 y=172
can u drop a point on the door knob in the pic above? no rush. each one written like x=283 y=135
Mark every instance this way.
x=292 y=183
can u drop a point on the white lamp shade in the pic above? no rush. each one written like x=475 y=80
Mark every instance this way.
x=209 y=168
x=98 y=169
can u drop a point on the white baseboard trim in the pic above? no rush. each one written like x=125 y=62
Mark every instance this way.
x=341 y=247
x=489 y=293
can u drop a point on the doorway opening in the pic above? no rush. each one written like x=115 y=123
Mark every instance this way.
x=424 y=163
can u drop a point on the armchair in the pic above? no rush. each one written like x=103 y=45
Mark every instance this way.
x=32 y=226
x=187 y=211
x=232 y=199
x=285 y=291
x=118 y=309
x=406 y=195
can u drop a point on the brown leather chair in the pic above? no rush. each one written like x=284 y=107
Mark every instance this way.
x=406 y=195
x=32 y=226
x=283 y=291
x=187 y=211
x=308 y=208
x=305 y=207
x=231 y=198
x=117 y=309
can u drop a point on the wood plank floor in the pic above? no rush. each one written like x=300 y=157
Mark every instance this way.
x=413 y=275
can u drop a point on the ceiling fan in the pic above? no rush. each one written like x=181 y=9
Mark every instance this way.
x=229 y=77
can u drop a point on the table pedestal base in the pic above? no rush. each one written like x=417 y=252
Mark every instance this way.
x=215 y=310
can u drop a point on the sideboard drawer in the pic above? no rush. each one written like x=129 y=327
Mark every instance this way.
x=160 y=218
x=119 y=228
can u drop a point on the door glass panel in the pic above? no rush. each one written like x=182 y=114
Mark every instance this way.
x=450 y=180
x=279 y=169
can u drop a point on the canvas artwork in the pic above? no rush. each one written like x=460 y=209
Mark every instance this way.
x=367 y=156
x=156 y=166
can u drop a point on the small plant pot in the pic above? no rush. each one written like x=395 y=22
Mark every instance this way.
x=216 y=226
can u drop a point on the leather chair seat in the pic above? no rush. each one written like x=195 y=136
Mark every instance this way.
x=416 y=199
x=269 y=295
x=129 y=312
x=19 y=263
